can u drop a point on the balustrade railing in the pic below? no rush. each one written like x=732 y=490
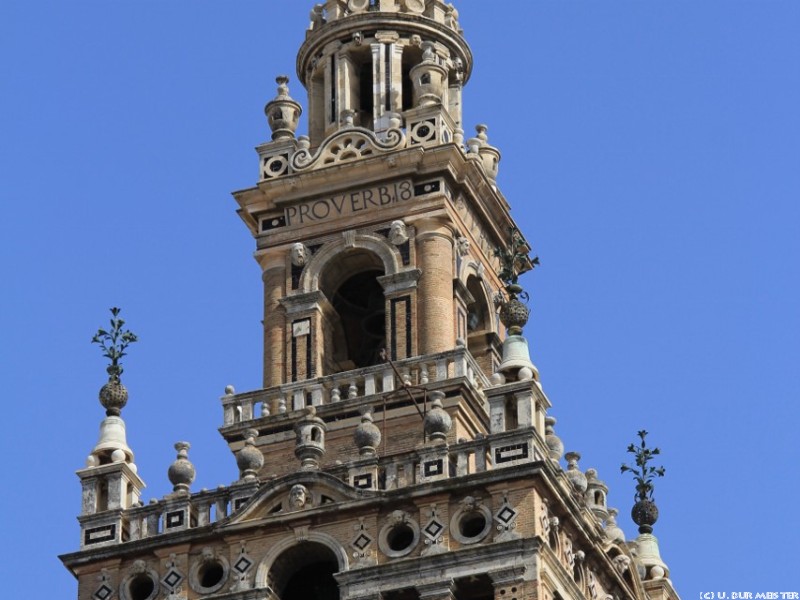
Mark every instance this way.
x=181 y=512
x=368 y=381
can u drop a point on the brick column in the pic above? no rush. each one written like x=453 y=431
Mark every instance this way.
x=509 y=584
x=274 y=278
x=436 y=320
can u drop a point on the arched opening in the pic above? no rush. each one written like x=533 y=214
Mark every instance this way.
x=412 y=56
x=355 y=332
x=305 y=571
x=479 y=324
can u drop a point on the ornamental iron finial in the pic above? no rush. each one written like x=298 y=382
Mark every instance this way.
x=514 y=261
x=644 y=512
x=114 y=342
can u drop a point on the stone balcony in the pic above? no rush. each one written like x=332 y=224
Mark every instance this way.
x=353 y=386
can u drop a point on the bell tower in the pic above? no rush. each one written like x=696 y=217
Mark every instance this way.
x=401 y=447
x=377 y=229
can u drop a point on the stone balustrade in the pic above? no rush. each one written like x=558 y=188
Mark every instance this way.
x=433 y=462
x=359 y=383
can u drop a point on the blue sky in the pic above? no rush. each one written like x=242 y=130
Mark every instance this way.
x=651 y=154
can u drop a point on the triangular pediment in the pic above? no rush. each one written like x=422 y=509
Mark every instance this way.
x=294 y=496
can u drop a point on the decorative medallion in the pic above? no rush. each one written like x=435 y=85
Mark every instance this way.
x=433 y=530
x=362 y=540
x=105 y=591
x=506 y=516
x=172 y=579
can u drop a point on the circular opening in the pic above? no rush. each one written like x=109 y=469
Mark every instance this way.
x=211 y=574
x=141 y=587
x=472 y=525
x=400 y=538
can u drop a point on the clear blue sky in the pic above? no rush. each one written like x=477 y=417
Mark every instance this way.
x=651 y=153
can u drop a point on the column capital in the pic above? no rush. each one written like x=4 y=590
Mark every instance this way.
x=400 y=282
x=440 y=590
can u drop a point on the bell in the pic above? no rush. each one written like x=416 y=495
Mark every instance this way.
x=516 y=355
x=112 y=437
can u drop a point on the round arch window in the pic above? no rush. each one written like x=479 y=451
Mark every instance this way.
x=208 y=574
x=140 y=586
x=398 y=537
x=470 y=526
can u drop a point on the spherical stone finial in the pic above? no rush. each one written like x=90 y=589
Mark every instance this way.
x=645 y=514
x=554 y=444
x=249 y=459
x=657 y=572
x=497 y=378
x=514 y=315
x=367 y=435
x=229 y=390
x=181 y=473
x=574 y=474
x=113 y=397
x=525 y=374
x=437 y=422
x=118 y=456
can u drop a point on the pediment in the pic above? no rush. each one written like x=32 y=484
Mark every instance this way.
x=295 y=496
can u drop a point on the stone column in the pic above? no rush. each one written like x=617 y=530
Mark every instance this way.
x=435 y=315
x=441 y=590
x=274 y=277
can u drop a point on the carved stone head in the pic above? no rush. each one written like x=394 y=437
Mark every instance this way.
x=398 y=234
x=299 y=254
x=298 y=496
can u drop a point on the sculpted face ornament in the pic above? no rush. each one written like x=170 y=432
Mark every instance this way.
x=622 y=563
x=299 y=255
x=298 y=496
x=398 y=234
x=463 y=245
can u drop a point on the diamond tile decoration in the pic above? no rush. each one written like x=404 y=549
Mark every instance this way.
x=362 y=541
x=242 y=565
x=506 y=514
x=103 y=593
x=172 y=579
x=433 y=529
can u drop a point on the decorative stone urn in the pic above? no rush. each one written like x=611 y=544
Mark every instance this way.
x=249 y=459
x=428 y=78
x=283 y=113
x=367 y=435
x=181 y=473
x=574 y=474
x=437 y=422
x=555 y=446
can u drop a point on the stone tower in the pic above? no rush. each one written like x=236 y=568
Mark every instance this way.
x=401 y=446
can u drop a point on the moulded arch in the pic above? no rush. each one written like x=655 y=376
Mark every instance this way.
x=262 y=573
x=376 y=245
